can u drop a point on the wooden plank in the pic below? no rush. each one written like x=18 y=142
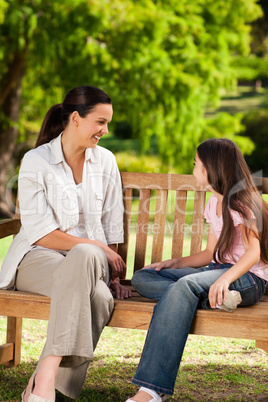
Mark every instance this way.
x=198 y=222
x=262 y=345
x=157 y=181
x=142 y=228
x=123 y=247
x=159 y=225
x=24 y=305
x=14 y=331
x=179 y=222
x=9 y=227
x=6 y=352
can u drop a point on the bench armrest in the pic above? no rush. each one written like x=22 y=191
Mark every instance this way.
x=9 y=227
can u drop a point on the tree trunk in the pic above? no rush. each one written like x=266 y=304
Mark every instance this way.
x=8 y=135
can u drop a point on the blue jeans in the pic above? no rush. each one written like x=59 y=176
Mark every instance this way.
x=180 y=292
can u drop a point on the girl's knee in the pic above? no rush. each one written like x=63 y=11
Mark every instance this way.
x=141 y=276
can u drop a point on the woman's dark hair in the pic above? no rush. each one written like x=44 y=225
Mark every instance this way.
x=229 y=175
x=81 y=99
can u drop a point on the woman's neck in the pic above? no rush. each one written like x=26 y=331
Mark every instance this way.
x=72 y=153
x=74 y=157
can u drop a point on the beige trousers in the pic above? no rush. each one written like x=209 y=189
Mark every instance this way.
x=81 y=305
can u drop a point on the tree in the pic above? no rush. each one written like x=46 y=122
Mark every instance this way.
x=160 y=61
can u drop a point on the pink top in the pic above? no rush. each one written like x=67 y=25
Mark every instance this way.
x=260 y=269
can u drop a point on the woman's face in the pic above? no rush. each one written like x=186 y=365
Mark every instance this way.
x=199 y=171
x=91 y=128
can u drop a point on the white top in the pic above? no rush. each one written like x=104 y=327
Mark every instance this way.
x=80 y=229
x=48 y=201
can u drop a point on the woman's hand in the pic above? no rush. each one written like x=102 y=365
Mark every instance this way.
x=218 y=292
x=173 y=264
x=115 y=261
x=119 y=291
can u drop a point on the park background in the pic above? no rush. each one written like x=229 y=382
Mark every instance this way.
x=178 y=72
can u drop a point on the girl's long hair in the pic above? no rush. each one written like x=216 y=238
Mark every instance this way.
x=82 y=99
x=229 y=175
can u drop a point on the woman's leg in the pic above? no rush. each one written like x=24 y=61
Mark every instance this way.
x=170 y=326
x=81 y=305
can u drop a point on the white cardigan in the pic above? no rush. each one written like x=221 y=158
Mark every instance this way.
x=48 y=201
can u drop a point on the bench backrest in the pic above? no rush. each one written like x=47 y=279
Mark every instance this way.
x=169 y=193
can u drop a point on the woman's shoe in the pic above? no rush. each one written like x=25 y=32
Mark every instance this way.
x=156 y=397
x=35 y=398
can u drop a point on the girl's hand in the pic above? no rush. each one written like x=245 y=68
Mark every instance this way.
x=173 y=264
x=218 y=292
x=119 y=291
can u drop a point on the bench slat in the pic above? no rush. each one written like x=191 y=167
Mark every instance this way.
x=159 y=225
x=179 y=222
x=123 y=247
x=142 y=228
x=6 y=352
x=9 y=227
x=198 y=222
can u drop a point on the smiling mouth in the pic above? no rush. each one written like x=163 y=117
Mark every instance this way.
x=97 y=138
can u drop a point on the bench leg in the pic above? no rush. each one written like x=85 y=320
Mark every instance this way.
x=262 y=345
x=14 y=332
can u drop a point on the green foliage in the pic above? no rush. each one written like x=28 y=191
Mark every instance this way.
x=256 y=128
x=131 y=162
x=161 y=62
x=123 y=130
x=250 y=68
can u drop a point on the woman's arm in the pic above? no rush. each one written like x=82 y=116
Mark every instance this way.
x=59 y=240
x=120 y=291
x=218 y=291
x=200 y=259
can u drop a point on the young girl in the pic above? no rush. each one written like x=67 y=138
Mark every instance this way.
x=72 y=219
x=231 y=270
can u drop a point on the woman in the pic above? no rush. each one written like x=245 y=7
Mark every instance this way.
x=71 y=213
x=231 y=270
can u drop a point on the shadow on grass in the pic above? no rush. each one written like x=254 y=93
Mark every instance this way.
x=111 y=382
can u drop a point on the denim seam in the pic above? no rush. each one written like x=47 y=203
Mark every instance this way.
x=147 y=384
x=256 y=287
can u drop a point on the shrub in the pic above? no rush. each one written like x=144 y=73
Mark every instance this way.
x=256 y=128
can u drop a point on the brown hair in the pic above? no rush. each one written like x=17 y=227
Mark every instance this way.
x=229 y=175
x=82 y=99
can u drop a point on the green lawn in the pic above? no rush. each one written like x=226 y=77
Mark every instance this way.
x=212 y=369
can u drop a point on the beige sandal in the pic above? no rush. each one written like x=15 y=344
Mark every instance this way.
x=35 y=398
x=156 y=397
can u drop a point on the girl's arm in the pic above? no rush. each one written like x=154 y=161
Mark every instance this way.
x=58 y=240
x=200 y=259
x=218 y=291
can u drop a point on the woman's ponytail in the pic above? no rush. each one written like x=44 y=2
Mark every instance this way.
x=52 y=125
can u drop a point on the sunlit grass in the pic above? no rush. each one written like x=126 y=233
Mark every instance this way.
x=212 y=369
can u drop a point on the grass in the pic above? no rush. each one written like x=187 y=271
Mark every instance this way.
x=243 y=99
x=212 y=369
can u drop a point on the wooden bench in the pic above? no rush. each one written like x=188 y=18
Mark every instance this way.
x=245 y=323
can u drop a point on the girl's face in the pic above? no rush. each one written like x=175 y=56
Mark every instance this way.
x=91 y=128
x=199 y=171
